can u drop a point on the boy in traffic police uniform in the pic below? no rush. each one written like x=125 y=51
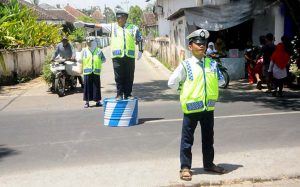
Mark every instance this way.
x=197 y=78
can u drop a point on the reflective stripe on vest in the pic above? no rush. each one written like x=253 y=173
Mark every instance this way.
x=200 y=90
x=119 y=44
x=91 y=62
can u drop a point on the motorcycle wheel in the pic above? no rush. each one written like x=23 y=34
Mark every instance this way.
x=60 y=88
x=73 y=83
x=226 y=79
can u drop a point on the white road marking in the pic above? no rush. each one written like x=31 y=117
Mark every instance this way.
x=231 y=116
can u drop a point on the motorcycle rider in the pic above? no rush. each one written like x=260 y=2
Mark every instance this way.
x=66 y=51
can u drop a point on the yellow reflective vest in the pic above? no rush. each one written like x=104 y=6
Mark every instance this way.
x=91 y=61
x=123 y=41
x=200 y=91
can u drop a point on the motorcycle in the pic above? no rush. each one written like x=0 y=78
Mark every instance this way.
x=223 y=70
x=62 y=79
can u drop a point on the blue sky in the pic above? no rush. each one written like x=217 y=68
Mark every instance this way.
x=80 y=4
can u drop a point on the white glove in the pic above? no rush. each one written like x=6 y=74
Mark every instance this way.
x=140 y=55
x=79 y=24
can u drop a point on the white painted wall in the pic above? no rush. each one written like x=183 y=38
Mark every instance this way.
x=169 y=7
x=279 y=24
x=271 y=21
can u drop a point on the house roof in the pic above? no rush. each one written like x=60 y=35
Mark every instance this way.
x=97 y=14
x=41 y=13
x=62 y=14
x=216 y=17
x=46 y=6
x=74 y=12
x=150 y=19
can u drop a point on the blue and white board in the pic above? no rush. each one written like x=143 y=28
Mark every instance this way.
x=121 y=113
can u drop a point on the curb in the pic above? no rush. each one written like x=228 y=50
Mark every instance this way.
x=157 y=64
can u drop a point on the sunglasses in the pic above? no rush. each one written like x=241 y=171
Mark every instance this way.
x=200 y=43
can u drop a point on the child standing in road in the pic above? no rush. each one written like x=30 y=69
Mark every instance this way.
x=197 y=79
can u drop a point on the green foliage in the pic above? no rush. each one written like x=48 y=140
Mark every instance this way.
x=47 y=75
x=110 y=15
x=86 y=19
x=78 y=35
x=35 y=2
x=135 y=16
x=2 y=64
x=23 y=79
x=68 y=28
x=19 y=28
x=149 y=7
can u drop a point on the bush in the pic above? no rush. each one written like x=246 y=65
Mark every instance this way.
x=47 y=75
x=19 y=28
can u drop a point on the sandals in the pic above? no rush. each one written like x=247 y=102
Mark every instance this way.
x=185 y=174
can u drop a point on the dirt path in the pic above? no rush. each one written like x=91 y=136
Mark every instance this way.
x=20 y=88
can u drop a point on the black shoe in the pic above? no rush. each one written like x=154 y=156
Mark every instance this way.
x=119 y=97
x=98 y=104
x=259 y=86
x=216 y=169
x=87 y=105
x=82 y=86
x=274 y=93
x=129 y=97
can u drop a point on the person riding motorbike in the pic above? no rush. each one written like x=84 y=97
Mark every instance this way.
x=66 y=51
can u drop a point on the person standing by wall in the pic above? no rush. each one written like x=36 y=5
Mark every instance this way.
x=197 y=78
x=124 y=37
x=279 y=61
x=267 y=51
x=92 y=59
x=249 y=62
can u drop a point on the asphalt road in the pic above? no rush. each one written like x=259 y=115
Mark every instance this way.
x=39 y=131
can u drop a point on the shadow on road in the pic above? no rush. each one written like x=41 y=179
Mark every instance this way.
x=237 y=92
x=5 y=152
x=144 y=120
x=228 y=167
x=290 y=100
x=151 y=91
x=77 y=90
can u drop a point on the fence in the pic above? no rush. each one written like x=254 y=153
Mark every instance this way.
x=159 y=48
x=28 y=62
x=21 y=63
x=171 y=55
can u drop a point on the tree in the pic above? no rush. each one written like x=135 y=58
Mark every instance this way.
x=149 y=7
x=135 y=16
x=35 y=2
x=110 y=15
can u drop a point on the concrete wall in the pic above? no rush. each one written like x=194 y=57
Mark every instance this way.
x=29 y=61
x=235 y=67
x=170 y=57
x=23 y=62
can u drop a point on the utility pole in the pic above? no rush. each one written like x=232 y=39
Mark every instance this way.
x=105 y=13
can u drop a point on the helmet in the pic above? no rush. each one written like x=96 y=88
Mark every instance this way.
x=198 y=36
x=90 y=38
x=120 y=12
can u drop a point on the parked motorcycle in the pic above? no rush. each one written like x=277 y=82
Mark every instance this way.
x=223 y=70
x=63 y=81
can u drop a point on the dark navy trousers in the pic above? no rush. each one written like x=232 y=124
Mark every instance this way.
x=190 y=122
x=124 y=75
